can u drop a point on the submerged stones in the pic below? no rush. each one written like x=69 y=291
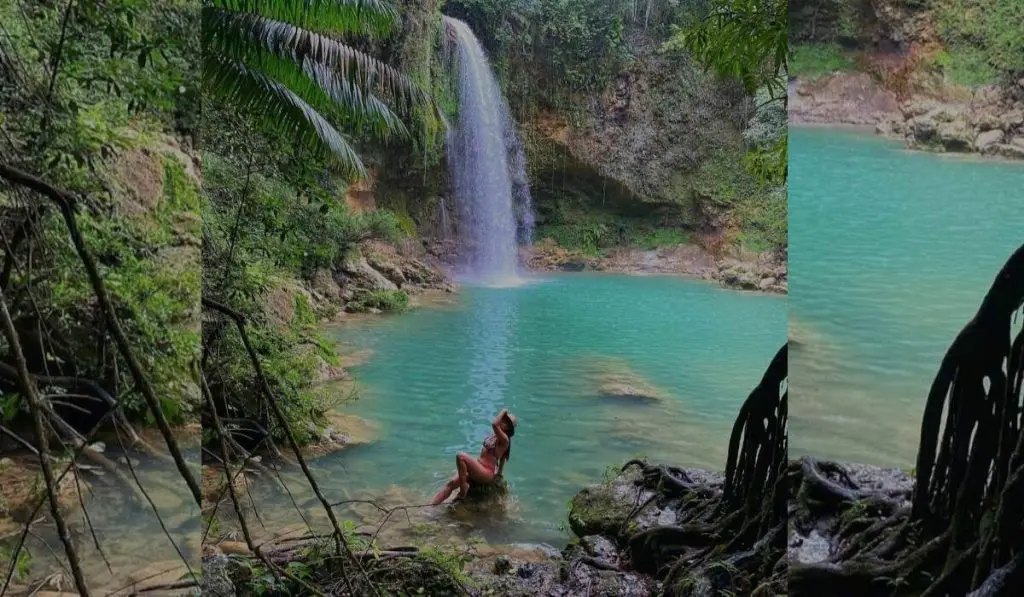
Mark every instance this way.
x=342 y=430
x=615 y=379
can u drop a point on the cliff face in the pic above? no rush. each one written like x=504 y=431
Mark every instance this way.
x=633 y=152
x=651 y=128
x=874 y=25
x=916 y=76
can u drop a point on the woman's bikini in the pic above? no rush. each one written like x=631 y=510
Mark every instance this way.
x=489 y=456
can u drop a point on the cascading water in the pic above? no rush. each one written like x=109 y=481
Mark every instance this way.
x=446 y=224
x=488 y=168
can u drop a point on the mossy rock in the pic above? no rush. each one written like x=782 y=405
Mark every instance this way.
x=598 y=510
x=485 y=492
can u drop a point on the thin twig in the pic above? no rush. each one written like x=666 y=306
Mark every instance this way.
x=65 y=203
x=30 y=393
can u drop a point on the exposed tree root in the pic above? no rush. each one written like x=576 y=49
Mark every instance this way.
x=732 y=539
x=961 y=533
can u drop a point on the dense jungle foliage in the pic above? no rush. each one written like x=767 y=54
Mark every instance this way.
x=99 y=98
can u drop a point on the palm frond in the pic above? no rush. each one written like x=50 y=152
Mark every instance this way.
x=235 y=33
x=371 y=18
x=256 y=93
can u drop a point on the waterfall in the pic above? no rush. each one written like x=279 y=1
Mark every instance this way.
x=488 y=168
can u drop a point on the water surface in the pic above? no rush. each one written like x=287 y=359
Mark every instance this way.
x=437 y=376
x=891 y=252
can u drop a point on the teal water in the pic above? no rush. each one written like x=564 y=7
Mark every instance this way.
x=122 y=542
x=890 y=254
x=438 y=375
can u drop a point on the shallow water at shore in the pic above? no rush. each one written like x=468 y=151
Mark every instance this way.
x=599 y=368
x=128 y=533
x=891 y=253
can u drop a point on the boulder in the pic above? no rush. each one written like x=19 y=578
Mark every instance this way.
x=603 y=509
x=324 y=284
x=216 y=578
x=502 y=565
x=956 y=135
x=989 y=137
x=364 y=276
x=387 y=267
x=1011 y=151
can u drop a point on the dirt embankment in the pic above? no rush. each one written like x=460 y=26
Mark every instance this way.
x=841 y=99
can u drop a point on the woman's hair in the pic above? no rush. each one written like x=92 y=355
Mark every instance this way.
x=510 y=428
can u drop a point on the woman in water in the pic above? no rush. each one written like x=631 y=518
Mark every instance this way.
x=489 y=465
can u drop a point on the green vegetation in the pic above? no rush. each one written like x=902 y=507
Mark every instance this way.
x=967 y=66
x=102 y=105
x=292 y=105
x=283 y=61
x=815 y=60
x=382 y=300
x=593 y=234
x=747 y=41
x=984 y=39
x=743 y=39
x=271 y=223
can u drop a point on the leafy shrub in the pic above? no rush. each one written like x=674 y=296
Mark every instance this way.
x=982 y=31
x=967 y=66
x=383 y=300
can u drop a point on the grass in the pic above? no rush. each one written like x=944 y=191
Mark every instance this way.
x=661 y=237
x=592 y=237
x=814 y=61
x=967 y=66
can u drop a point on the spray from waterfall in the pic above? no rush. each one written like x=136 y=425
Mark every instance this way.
x=488 y=168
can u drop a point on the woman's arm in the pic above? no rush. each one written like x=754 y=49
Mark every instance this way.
x=496 y=426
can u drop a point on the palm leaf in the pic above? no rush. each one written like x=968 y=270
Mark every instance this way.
x=344 y=104
x=254 y=92
x=371 y=18
x=348 y=74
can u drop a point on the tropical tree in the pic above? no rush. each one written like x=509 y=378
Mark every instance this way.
x=288 y=63
x=743 y=39
x=747 y=40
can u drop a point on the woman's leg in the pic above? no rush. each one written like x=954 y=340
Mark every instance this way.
x=446 y=491
x=471 y=469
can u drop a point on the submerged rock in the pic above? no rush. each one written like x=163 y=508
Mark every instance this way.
x=343 y=430
x=616 y=379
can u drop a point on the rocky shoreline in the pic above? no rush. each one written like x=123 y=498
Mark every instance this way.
x=605 y=518
x=763 y=272
x=988 y=121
